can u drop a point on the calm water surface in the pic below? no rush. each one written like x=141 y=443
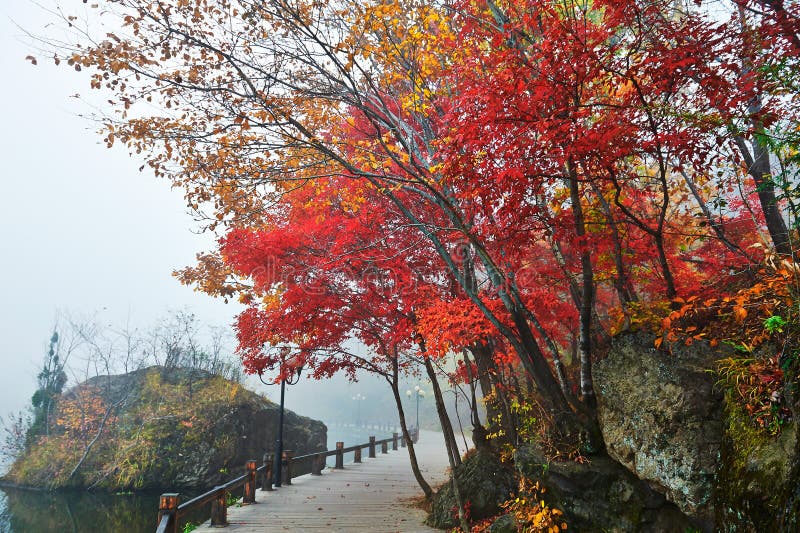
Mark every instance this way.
x=24 y=511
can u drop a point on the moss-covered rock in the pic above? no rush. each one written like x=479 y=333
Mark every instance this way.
x=758 y=486
x=661 y=417
x=484 y=483
x=157 y=429
x=600 y=495
x=504 y=524
x=666 y=419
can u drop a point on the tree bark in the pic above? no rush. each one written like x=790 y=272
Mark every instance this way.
x=622 y=282
x=758 y=164
x=453 y=456
x=424 y=485
x=587 y=293
x=441 y=410
x=479 y=434
x=759 y=168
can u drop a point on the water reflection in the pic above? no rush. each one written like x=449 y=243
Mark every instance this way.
x=5 y=514
x=23 y=511
x=76 y=512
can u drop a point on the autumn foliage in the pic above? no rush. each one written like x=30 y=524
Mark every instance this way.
x=512 y=181
x=98 y=440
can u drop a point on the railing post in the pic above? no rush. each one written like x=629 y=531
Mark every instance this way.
x=219 y=508
x=287 y=466
x=249 y=494
x=384 y=447
x=415 y=436
x=168 y=506
x=403 y=441
x=339 y=455
x=394 y=441
x=266 y=481
x=316 y=465
x=372 y=447
x=357 y=455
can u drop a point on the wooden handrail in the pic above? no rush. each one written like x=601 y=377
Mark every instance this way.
x=164 y=524
x=170 y=510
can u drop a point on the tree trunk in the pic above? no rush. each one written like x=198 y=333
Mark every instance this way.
x=520 y=336
x=719 y=231
x=426 y=488
x=441 y=410
x=622 y=282
x=485 y=366
x=587 y=294
x=758 y=166
x=453 y=456
x=479 y=433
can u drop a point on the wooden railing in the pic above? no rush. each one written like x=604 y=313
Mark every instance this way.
x=170 y=510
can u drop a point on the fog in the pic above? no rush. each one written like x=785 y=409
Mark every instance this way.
x=82 y=230
x=85 y=233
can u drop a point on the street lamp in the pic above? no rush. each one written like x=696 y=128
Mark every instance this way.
x=358 y=398
x=419 y=393
x=290 y=380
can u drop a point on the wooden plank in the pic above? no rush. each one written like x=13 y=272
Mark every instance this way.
x=372 y=496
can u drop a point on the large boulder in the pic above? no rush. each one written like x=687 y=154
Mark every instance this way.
x=600 y=495
x=758 y=482
x=484 y=483
x=662 y=418
x=165 y=429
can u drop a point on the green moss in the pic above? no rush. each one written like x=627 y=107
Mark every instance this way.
x=754 y=480
x=164 y=425
x=744 y=437
x=484 y=483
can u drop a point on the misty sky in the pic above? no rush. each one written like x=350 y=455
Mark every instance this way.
x=82 y=229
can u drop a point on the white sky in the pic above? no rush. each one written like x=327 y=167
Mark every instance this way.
x=81 y=229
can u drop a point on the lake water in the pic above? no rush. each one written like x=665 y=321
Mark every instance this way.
x=23 y=511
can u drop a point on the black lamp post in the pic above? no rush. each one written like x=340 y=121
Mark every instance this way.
x=292 y=380
x=419 y=393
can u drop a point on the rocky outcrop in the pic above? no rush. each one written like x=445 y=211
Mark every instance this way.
x=662 y=419
x=165 y=429
x=758 y=482
x=484 y=484
x=600 y=495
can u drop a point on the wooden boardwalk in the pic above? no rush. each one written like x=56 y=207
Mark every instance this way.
x=373 y=496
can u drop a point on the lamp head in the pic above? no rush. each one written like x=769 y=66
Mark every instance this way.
x=284 y=351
